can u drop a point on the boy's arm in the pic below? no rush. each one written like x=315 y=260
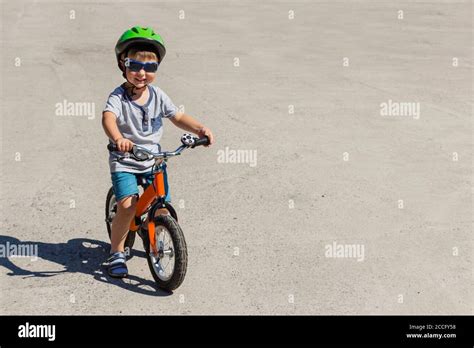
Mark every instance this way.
x=190 y=124
x=109 y=122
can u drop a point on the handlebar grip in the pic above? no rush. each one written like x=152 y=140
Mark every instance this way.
x=202 y=141
x=112 y=147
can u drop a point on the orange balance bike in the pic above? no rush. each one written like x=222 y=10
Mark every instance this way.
x=163 y=239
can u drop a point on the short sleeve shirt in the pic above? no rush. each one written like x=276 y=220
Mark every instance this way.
x=142 y=124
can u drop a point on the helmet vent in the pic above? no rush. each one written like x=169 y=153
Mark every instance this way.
x=135 y=30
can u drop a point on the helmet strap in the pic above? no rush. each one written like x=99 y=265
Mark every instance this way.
x=131 y=88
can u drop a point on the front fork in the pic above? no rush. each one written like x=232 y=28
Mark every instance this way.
x=151 y=225
x=159 y=188
x=161 y=203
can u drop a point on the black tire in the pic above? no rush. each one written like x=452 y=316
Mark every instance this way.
x=131 y=235
x=180 y=253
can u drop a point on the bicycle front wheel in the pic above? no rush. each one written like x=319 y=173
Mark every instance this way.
x=168 y=266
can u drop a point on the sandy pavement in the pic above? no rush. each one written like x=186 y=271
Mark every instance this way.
x=341 y=205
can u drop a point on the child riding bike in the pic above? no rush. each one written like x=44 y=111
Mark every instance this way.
x=133 y=115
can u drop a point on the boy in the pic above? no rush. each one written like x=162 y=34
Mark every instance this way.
x=133 y=115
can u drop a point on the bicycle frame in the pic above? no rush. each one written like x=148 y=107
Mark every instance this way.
x=154 y=191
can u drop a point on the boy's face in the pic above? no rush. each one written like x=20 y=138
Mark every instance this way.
x=141 y=78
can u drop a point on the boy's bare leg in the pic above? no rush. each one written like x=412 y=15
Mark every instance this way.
x=121 y=223
x=162 y=211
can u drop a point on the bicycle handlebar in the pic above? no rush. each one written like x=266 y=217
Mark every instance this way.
x=201 y=142
x=142 y=154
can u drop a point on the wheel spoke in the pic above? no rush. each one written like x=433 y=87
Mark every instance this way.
x=165 y=244
x=167 y=264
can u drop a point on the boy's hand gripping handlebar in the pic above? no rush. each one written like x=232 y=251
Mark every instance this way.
x=142 y=154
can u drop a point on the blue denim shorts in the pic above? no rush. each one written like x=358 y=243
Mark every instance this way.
x=126 y=184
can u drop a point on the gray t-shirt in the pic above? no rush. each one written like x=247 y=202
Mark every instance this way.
x=142 y=124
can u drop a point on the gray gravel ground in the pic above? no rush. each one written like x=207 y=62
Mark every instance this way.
x=329 y=167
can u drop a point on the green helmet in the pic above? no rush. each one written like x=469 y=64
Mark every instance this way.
x=139 y=35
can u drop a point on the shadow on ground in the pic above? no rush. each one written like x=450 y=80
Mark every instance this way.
x=79 y=255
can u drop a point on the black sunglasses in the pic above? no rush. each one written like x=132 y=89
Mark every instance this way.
x=136 y=66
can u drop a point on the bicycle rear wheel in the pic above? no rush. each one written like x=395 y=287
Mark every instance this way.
x=110 y=211
x=168 y=267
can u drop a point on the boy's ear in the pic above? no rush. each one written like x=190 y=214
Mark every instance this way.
x=121 y=62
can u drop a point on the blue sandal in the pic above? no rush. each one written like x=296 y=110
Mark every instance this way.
x=116 y=266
